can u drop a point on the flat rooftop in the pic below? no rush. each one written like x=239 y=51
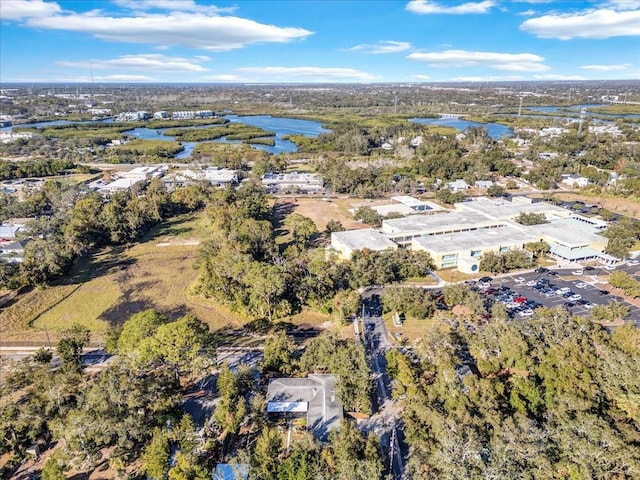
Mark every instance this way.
x=365 y=238
x=474 y=240
x=439 y=223
x=569 y=232
x=501 y=209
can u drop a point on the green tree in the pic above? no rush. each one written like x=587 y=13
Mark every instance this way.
x=266 y=454
x=369 y=216
x=531 y=218
x=155 y=457
x=353 y=456
x=302 y=228
x=70 y=346
x=52 y=470
x=138 y=328
x=278 y=351
x=496 y=190
x=334 y=226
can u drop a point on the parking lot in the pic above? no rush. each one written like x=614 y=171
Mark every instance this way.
x=588 y=286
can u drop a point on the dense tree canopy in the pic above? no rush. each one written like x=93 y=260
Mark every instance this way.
x=548 y=398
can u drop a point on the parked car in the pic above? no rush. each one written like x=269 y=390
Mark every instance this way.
x=530 y=283
x=553 y=274
x=575 y=297
x=589 y=268
x=577 y=272
x=603 y=292
x=519 y=279
x=589 y=305
x=633 y=263
x=485 y=279
x=567 y=294
x=541 y=270
x=564 y=290
x=582 y=285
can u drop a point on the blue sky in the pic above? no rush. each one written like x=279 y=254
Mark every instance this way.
x=308 y=41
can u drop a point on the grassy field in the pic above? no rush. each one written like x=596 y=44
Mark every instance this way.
x=412 y=329
x=114 y=284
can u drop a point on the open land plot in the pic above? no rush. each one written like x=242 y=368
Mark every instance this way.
x=110 y=286
x=321 y=211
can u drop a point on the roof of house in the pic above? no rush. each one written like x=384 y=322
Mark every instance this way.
x=317 y=391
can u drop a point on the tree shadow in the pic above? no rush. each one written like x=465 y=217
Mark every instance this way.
x=279 y=212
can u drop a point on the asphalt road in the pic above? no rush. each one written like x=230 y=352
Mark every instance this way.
x=385 y=421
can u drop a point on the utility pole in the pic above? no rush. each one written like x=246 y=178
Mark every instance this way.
x=583 y=113
x=395 y=104
x=520 y=108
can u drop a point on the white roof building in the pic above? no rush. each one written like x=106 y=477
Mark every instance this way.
x=458 y=186
x=349 y=241
x=301 y=182
x=314 y=396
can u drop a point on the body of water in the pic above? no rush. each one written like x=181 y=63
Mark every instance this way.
x=281 y=126
x=495 y=130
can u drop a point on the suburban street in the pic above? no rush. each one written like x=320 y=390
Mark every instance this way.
x=385 y=421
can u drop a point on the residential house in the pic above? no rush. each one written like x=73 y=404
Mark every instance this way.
x=313 y=397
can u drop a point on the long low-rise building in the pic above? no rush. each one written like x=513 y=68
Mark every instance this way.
x=458 y=239
x=347 y=242
x=464 y=249
x=404 y=230
x=502 y=209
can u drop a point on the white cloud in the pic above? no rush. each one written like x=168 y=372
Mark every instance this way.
x=522 y=62
x=555 y=76
x=319 y=74
x=172 y=6
x=223 y=78
x=150 y=62
x=526 y=13
x=607 y=68
x=603 y=23
x=486 y=79
x=188 y=29
x=623 y=4
x=125 y=78
x=385 y=46
x=21 y=9
x=420 y=77
x=425 y=7
x=107 y=78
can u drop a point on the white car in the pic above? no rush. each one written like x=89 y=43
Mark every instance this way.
x=563 y=290
x=588 y=306
x=582 y=285
x=577 y=272
x=519 y=279
x=531 y=283
x=575 y=297
x=633 y=263
x=609 y=267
